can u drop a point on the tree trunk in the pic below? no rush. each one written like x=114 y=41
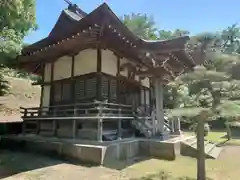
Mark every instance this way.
x=229 y=134
x=201 y=170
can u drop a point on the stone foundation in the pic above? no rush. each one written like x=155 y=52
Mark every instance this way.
x=95 y=153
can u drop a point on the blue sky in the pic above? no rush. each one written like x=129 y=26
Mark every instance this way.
x=193 y=15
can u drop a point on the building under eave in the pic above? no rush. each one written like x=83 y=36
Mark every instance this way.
x=97 y=76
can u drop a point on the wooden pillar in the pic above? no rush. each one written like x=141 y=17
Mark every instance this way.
x=24 y=127
x=100 y=124
x=119 y=124
x=72 y=80
x=43 y=80
x=144 y=96
x=158 y=88
x=54 y=128
x=118 y=80
x=51 y=84
x=74 y=129
x=99 y=74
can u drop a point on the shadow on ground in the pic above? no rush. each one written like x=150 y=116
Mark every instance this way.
x=15 y=162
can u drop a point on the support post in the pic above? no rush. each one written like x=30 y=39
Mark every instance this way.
x=158 y=88
x=38 y=127
x=24 y=122
x=74 y=123
x=153 y=115
x=100 y=124
x=24 y=127
x=54 y=127
x=119 y=124
x=178 y=127
x=173 y=122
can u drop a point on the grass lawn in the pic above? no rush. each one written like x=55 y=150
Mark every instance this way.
x=224 y=168
x=218 y=137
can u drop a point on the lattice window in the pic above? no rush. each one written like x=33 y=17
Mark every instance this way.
x=79 y=89
x=66 y=91
x=105 y=82
x=91 y=85
x=113 y=90
x=57 y=92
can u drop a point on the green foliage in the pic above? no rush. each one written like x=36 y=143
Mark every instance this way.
x=17 y=15
x=141 y=25
x=166 y=35
x=4 y=86
x=17 y=18
x=217 y=80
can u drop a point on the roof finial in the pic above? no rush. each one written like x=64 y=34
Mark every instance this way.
x=75 y=8
x=69 y=2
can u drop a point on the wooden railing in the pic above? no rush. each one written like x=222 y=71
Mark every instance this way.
x=93 y=110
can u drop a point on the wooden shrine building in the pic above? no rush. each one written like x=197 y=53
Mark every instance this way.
x=96 y=74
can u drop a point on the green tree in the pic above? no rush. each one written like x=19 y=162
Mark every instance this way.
x=17 y=18
x=141 y=25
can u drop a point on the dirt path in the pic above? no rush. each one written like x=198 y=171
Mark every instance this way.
x=23 y=166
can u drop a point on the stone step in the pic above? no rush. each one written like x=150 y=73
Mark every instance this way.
x=190 y=140
x=211 y=150
x=215 y=152
x=209 y=147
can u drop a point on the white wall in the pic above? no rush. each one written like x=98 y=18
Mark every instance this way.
x=85 y=62
x=109 y=66
x=62 y=68
x=109 y=63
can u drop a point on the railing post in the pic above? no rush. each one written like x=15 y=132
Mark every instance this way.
x=74 y=122
x=100 y=123
x=119 y=123
x=24 y=123
x=25 y=112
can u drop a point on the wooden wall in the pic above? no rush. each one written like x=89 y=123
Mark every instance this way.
x=79 y=69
